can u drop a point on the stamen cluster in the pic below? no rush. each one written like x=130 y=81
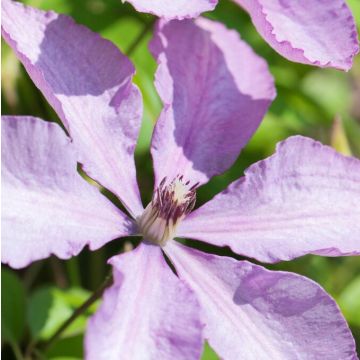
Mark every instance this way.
x=169 y=205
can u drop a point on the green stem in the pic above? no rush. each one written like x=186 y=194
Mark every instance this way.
x=58 y=272
x=140 y=37
x=72 y=268
x=16 y=350
x=97 y=268
x=97 y=294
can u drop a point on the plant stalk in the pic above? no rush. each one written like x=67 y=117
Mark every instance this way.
x=140 y=37
x=80 y=310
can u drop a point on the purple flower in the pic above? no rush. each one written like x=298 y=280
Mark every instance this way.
x=215 y=91
x=321 y=33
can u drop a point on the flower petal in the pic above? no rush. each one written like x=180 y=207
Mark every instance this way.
x=148 y=313
x=303 y=199
x=254 y=313
x=215 y=92
x=47 y=208
x=174 y=9
x=88 y=82
x=312 y=32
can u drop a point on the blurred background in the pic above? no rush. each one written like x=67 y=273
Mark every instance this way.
x=320 y=103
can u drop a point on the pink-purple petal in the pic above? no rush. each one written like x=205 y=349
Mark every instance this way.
x=303 y=199
x=321 y=33
x=148 y=313
x=254 y=313
x=47 y=208
x=89 y=83
x=215 y=91
x=174 y=9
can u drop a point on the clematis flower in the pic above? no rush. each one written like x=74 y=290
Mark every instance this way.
x=215 y=91
x=321 y=33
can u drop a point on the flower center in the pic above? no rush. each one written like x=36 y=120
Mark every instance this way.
x=169 y=205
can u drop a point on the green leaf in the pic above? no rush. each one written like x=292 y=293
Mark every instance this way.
x=65 y=358
x=49 y=307
x=334 y=88
x=12 y=306
x=46 y=313
x=70 y=348
x=339 y=140
x=9 y=76
x=209 y=353
x=349 y=302
x=355 y=9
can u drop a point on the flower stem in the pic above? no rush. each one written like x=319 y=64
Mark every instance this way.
x=97 y=268
x=140 y=37
x=58 y=272
x=72 y=268
x=97 y=294
x=16 y=349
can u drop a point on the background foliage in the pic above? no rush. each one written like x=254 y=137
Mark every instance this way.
x=36 y=300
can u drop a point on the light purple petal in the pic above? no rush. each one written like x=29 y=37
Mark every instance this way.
x=303 y=199
x=254 y=313
x=174 y=9
x=215 y=92
x=148 y=313
x=47 y=208
x=88 y=82
x=312 y=32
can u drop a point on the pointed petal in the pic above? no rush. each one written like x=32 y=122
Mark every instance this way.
x=47 y=208
x=303 y=199
x=215 y=92
x=88 y=82
x=254 y=313
x=321 y=33
x=148 y=313
x=174 y=9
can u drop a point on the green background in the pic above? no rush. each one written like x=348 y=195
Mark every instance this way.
x=36 y=300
